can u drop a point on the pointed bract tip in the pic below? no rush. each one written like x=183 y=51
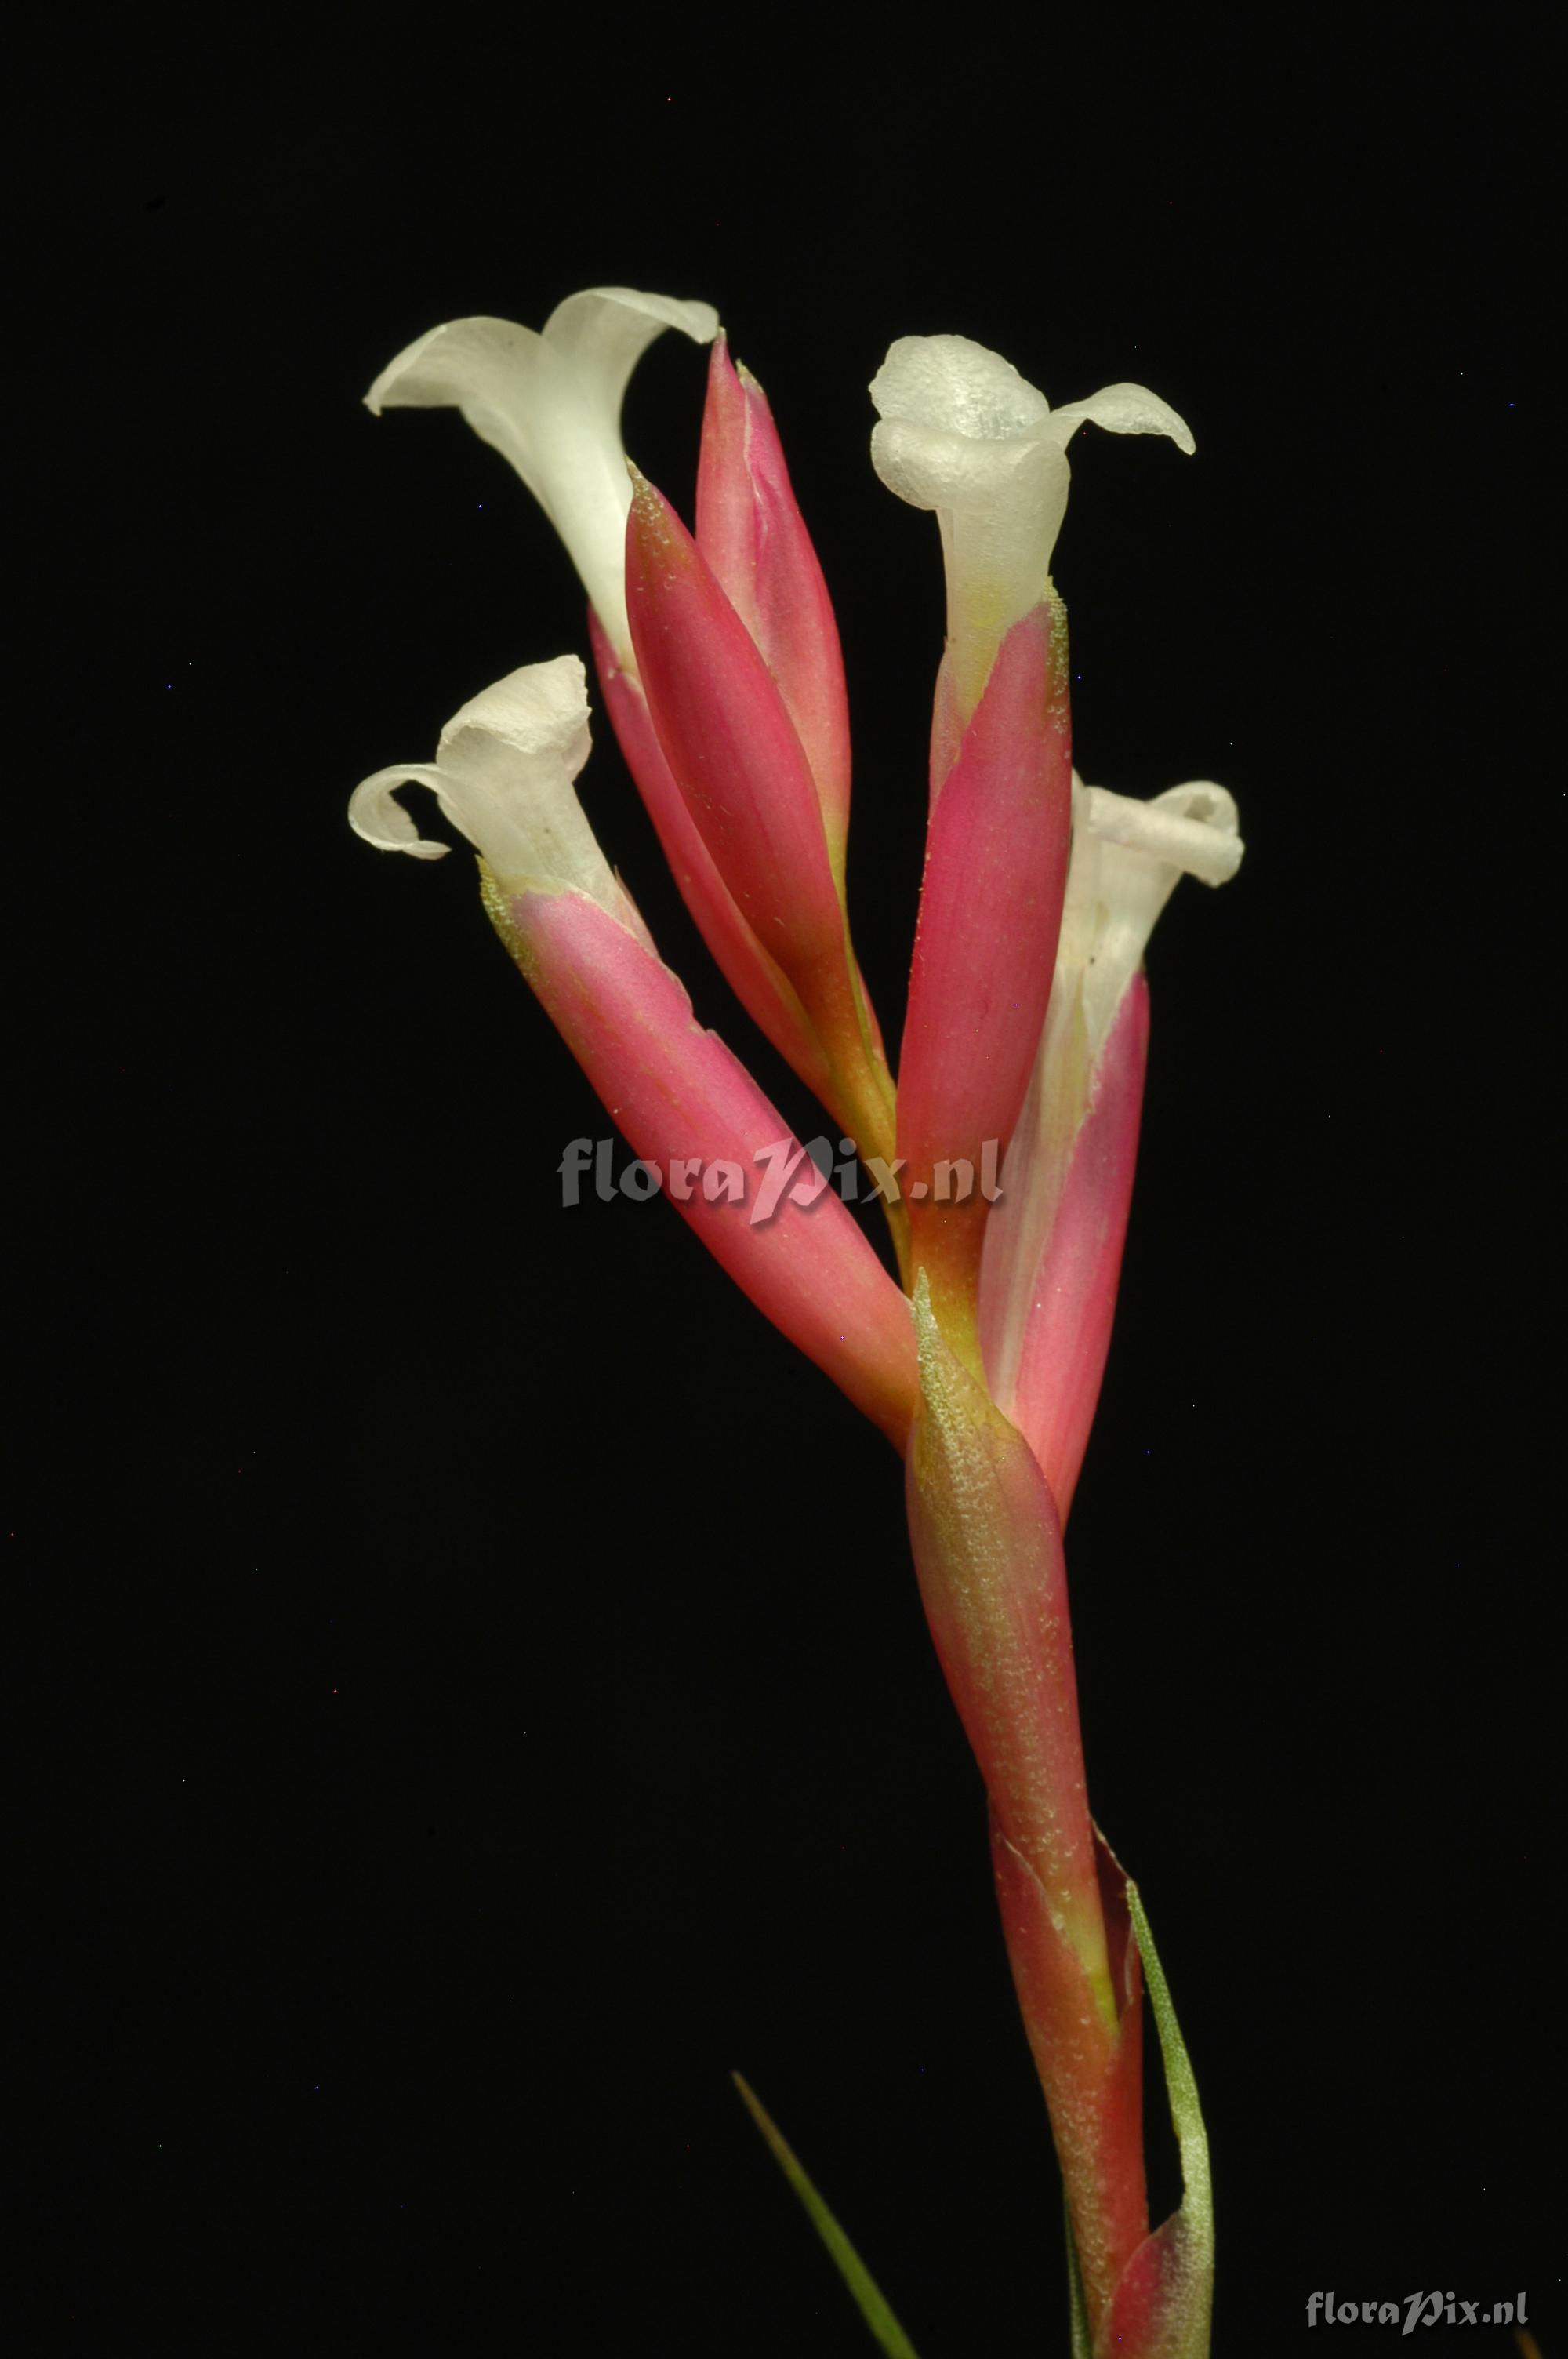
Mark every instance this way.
x=648 y=502
x=722 y=383
x=943 y=1375
x=930 y=1343
x=651 y=512
x=736 y=376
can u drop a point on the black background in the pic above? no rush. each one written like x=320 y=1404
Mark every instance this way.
x=474 y=1686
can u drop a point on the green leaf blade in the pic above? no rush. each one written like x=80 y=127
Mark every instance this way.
x=873 y=2307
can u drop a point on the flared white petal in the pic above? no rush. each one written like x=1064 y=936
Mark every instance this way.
x=957 y=386
x=503 y=775
x=604 y=331
x=551 y=405
x=962 y=432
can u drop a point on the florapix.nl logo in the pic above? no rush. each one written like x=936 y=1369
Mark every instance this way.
x=783 y=1172
x=1413 y=2310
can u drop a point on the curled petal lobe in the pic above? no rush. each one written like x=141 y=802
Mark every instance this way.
x=1123 y=410
x=750 y=532
x=550 y=403
x=375 y=813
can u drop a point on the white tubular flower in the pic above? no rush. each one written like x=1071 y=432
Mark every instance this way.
x=1054 y=1245
x=551 y=404
x=1127 y=858
x=962 y=434
x=503 y=775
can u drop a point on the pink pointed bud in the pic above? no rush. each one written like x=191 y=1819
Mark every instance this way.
x=730 y=741
x=757 y=981
x=988 y=1549
x=750 y=531
x=1053 y=1248
x=985 y=947
x=734 y=754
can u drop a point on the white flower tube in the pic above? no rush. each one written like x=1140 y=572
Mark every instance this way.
x=962 y=434
x=503 y=775
x=550 y=403
x=1128 y=858
x=1053 y=1249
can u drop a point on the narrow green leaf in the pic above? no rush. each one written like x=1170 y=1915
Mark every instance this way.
x=1181 y=2087
x=884 y=2326
x=1191 y=2231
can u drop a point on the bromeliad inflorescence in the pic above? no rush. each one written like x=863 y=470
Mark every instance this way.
x=718 y=664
